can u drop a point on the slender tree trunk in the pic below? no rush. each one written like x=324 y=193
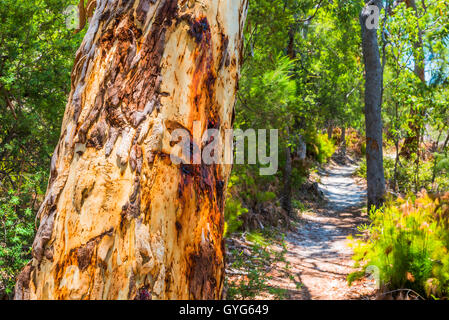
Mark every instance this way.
x=343 y=141
x=287 y=196
x=417 y=166
x=396 y=138
x=396 y=163
x=330 y=129
x=287 y=175
x=373 y=111
x=434 y=169
x=120 y=220
x=301 y=150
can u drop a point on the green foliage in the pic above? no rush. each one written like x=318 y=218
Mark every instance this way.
x=321 y=147
x=361 y=170
x=409 y=177
x=442 y=163
x=258 y=239
x=298 y=205
x=405 y=174
x=363 y=148
x=295 y=78
x=253 y=265
x=355 y=143
x=267 y=196
x=17 y=225
x=299 y=175
x=441 y=171
x=268 y=94
x=246 y=184
x=36 y=57
x=408 y=242
x=413 y=106
x=233 y=211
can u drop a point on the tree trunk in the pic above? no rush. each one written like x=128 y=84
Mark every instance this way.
x=120 y=220
x=287 y=193
x=396 y=163
x=373 y=109
x=330 y=129
x=301 y=149
x=343 y=141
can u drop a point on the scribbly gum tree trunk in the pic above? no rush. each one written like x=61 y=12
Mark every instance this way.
x=120 y=220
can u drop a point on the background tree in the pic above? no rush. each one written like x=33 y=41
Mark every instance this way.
x=373 y=109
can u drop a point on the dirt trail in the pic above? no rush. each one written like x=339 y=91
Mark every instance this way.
x=318 y=254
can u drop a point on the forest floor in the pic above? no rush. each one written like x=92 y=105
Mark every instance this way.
x=317 y=256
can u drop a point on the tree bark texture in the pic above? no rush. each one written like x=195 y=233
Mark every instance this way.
x=119 y=219
x=373 y=109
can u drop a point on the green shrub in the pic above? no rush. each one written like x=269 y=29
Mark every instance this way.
x=321 y=147
x=363 y=148
x=361 y=170
x=355 y=143
x=17 y=225
x=442 y=171
x=233 y=211
x=248 y=193
x=255 y=266
x=298 y=205
x=299 y=176
x=408 y=242
x=265 y=196
x=405 y=176
x=442 y=163
x=258 y=238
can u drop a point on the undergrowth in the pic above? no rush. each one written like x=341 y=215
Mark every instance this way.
x=408 y=245
x=255 y=265
x=320 y=147
x=432 y=173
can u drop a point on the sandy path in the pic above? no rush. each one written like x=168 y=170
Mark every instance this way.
x=318 y=254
